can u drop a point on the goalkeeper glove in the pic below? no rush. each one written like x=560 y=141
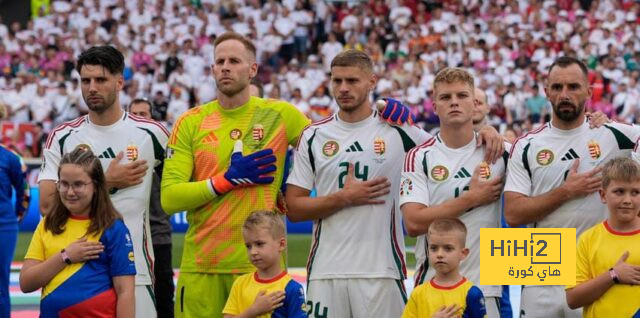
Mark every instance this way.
x=245 y=170
x=396 y=113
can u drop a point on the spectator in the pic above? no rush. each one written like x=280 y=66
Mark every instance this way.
x=536 y=106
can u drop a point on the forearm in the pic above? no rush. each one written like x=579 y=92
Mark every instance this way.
x=125 y=293
x=47 y=196
x=418 y=217
x=520 y=209
x=126 y=304
x=304 y=208
x=177 y=197
x=247 y=314
x=38 y=275
x=586 y=293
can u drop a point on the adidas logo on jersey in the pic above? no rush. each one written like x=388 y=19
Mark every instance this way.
x=570 y=155
x=355 y=147
x=108 y=154
x=462 y=173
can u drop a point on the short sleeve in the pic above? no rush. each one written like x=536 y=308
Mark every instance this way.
x=414 y=181
x=36 y=247
x=303 y=172
x=52 y=155
x=582 y=260
x=232 y=306
x=475 y=304
x=294 y=300
x=518 y=172
x=119 y=249
x=411 y=309
x=295 y=122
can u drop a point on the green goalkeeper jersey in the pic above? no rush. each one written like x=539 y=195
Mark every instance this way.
x=199 y=148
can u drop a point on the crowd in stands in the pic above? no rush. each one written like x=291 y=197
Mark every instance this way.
x=168 y=47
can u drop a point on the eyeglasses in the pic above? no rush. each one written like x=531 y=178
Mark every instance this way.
x=78 y=186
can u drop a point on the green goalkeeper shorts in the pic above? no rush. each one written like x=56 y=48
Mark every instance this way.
x=202 y=295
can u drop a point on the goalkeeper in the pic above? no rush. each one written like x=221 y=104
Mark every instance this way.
x=225 y=159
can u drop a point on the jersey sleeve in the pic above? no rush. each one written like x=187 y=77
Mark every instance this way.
x=232 y=306
x=582 y=260
x=52 y=154
x=160 y=138
x=411 y=309
x=178 y=192
x=295 y=122
x=417 y=134
x=303 y=171
x=36 y=247
x=413 y=181
x=635 y=154
x=119 y=248
x=294 y=300
x=475 y=304
x=518 y=171
x=626 y=135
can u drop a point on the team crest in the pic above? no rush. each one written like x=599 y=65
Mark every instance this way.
x=330 y=148
x=406 y=186
x=131 y=258
x=257 y=132
x=544 y=157
x=485 y=170
x=235 y=134
x=379 y=147
x=132 y=152
x=439 y=173
x=594 y=149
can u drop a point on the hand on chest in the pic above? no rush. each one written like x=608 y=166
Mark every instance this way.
x=557 y=159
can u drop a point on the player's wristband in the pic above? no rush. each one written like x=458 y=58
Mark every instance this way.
x=220 y=184
x=614 y=276
x=65 y=256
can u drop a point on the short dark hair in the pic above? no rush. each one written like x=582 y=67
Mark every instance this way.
x=141 y=101
x=355 y=58
x=565 y=61
x=105 y=55
x=238 y=37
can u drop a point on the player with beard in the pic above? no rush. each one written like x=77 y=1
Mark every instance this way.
x=128 y=146
x=553 y=173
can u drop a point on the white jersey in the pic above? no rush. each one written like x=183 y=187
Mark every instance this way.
x=433 y=174
x=541 y=159
x=138 y=138
x=363 y=241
